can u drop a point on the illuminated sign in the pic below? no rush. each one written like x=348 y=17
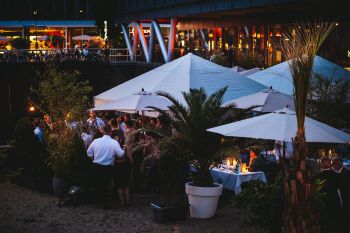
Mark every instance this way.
x=105 y=30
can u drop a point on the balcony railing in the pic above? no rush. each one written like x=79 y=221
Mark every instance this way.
x=59 y=55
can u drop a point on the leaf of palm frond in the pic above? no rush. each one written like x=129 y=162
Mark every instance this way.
x=180 y=110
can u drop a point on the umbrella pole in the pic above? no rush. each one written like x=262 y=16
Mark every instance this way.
x=142 y=118
x=284 y=150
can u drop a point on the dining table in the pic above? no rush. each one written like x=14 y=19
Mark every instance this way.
x=233 y=181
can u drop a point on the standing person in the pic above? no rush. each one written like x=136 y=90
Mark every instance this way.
x=104 y=151
x=344 y=186
x=117 y=133
x=122 y=179
x=331 y=214
x=94 y=122
x=38 y=131
x=48 y=123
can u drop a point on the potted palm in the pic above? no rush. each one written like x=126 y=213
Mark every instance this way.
x=201 y=148
x=172 y=167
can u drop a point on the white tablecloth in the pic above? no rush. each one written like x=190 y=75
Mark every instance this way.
x=233 y=181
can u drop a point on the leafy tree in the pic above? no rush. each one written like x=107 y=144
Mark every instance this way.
x=20 y=43
x=328 y=94
x=61 y=95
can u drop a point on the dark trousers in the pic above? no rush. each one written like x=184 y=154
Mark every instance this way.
x=103 y=175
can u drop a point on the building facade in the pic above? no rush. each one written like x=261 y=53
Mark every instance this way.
x=249 y=32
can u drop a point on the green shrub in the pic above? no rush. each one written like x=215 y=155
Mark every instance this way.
x=20 y=43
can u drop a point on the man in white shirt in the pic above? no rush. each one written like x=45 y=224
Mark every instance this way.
x=103 y=152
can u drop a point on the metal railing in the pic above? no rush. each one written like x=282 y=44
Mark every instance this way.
x=59 y=55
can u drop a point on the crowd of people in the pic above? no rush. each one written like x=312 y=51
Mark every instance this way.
x=110 y=143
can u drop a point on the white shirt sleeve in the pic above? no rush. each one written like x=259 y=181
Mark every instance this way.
x=90 y=150
x=119 y=151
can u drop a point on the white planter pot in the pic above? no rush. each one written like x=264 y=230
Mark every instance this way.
x=203 y=200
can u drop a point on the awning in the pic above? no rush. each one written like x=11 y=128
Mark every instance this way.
x=47 y=23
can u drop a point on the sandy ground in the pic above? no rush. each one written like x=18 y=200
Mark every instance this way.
x=28 y=211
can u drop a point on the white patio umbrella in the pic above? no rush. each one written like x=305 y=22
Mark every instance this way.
x=2 y=38
x=281 y=125
x=181 y=75
x=43 y=38
x=280 y=77
x=250 y=71
x=82 y=37
x=269 y=100
x=140 y=101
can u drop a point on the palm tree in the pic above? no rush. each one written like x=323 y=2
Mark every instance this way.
x=301 y=44
x=191 y=121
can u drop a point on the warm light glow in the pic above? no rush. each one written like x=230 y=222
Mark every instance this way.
x=336 y=24
x=228 y=162
x=244 y=167
x=31 y=109
x=81 y=11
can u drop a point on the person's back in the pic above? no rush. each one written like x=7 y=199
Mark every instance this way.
x=104 y=150
x=331 y=212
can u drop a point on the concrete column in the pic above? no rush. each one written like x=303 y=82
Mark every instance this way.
x=159 y=35
x=135 y=42
x=66 y=37
x=127 y=41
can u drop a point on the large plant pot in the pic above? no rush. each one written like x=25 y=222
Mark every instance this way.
x=172 y=212
x=58 y=185
x=203 y=200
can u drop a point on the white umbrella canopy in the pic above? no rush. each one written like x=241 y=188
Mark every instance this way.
x=281 y=125
x=182 y=74
x=82 y=37
x=140 y=101
x=268 y=100
x=237 y=69
x=43 y=38
x=2 y=38
x=280 y=78
x=250 y=71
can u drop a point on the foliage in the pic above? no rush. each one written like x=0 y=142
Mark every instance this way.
x=20 y=43
x=191 y=122
x=330 y=94
x=264 y=202
x=67 y=157
x=173 y=169
x=250 y=60
x=28 y=153
x=220 y=59
x=57 y=41
x=61 y=95
x=300 y=49
x=96 y=42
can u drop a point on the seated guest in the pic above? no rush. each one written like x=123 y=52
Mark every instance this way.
x=331 y=213
x=103 y=151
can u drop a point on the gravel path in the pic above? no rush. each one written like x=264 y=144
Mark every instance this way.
x=26 y=211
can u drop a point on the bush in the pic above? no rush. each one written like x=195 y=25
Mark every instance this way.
x=28 y=153
x=263 y=202
x=20 y=43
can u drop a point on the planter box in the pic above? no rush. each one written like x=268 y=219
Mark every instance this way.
x=172 y=212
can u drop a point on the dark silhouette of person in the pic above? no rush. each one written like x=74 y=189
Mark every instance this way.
x=330 y=215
